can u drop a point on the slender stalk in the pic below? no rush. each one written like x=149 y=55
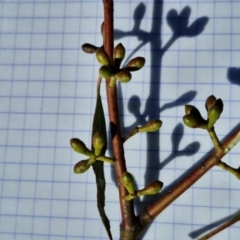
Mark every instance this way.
x=234 y=171
x=127 y=211
x=214 y=137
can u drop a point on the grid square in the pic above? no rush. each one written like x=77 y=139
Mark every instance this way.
x=23 y=41
x=71 y=25
x=59 y=209
x=9 y=206
x=38 y=41
x=7 y=223
x=27 y=189
x=24 y=25
x=42 y=207
x=7 y=56
x=58 y=226
x=75 y=227
x=41 y=225
x=90 y=225
x=25 y=207
x=24 y=224
x=43 y=190
x=60 y=190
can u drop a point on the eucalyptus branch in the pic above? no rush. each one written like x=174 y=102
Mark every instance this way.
x=110 y=59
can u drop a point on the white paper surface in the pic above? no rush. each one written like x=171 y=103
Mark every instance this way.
x=48 y=97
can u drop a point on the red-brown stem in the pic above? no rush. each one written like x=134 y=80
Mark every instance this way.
x=158 y=206
x=128 y=216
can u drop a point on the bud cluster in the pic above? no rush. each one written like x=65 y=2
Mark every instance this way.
x=80 y=147
x=107 y=69
x=194 y=119
x=127 y=181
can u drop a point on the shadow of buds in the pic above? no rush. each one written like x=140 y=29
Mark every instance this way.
x=176 y=138
x=179 y=23
x=233 y=75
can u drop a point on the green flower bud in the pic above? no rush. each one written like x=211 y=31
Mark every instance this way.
x=118 y=55
x=210 y=102
x=82 y=166
x=123 y=76
x=151 y=126
x=151 y=188
x=219 y=104
x=89 y=48
x=128 y=182
x=189 y=109
x=105 y=72
x=102 y=57
x=135 y=64
x=80 y=147
x=213 y=115
x=98 y=143
x=193 y=122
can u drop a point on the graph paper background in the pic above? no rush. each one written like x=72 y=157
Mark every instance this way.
x=47 y=93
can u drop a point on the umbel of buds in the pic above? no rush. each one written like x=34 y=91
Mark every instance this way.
x=108 y=69
x=194 y=119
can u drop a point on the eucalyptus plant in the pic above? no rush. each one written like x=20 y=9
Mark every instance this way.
x=110 y=61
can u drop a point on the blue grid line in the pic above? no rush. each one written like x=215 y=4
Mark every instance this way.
x=8 y=117
x=23 y=136
x=35 y=192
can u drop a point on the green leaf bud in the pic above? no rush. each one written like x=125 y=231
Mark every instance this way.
x=105 y=72
x=80 y=147
x=128 y=182
x=135 y=64
x=82 y=166
x=151 y=188
x=192 y=121
x=89 y=48
x=102 y=57
x=123 y=76
x=98 y=143
x=151 y=126
x=210 y=102
x=213 y=115
x=118 y=55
